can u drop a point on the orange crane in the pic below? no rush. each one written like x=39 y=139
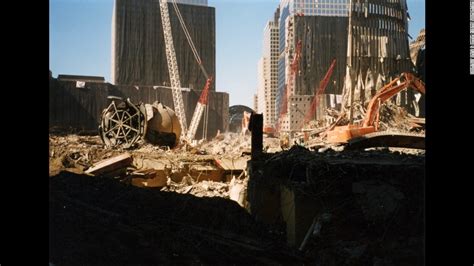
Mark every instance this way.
x=342 y=134
x=322 y=86
x=289 y=86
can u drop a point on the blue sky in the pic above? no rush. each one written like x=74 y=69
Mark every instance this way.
x=80 y=37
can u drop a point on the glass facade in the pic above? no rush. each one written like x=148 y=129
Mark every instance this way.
x=284 y=14
x=318 y=7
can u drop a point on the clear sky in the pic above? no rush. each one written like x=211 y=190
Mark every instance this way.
x=80 y=40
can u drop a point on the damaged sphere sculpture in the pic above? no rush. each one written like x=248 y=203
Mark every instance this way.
x=124 y=123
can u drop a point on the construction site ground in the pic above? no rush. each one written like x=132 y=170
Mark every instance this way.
x=199 y=211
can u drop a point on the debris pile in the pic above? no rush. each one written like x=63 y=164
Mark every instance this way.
x=395 y=118
x=366 y=206
x=203 y=171
x=229 y=143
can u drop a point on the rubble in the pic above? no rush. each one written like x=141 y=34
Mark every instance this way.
x=374 y=200
x=188 y=205
x=183 y=170
x=109 y=165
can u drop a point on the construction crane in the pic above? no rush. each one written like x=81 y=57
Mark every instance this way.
x=322 y=86
x=173 y=68
x=186 y=134
x=201 y=105
x=342 y=134
x=289 y=87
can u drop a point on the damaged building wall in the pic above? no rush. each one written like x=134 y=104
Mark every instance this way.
x=417 y=54
x=378 y=48
x=323 y=40
x=80 y=109
x=138 y=48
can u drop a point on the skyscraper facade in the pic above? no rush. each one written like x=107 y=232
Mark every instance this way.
x=138 y=46
x=379 y=49
x=268 y=73
x=262 y=83
x=317 y=7
x=321 y=26
x=139 y=59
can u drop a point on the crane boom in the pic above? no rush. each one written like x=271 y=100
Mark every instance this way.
x=201 y=105
x=406 y=80
x=173 y=68
x=289 y=86
x=322 y=86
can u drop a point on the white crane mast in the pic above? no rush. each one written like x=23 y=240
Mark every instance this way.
x=201 y=105
x=173 y=68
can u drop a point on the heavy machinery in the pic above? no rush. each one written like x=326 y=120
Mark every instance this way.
x=173 y=67
x=190 y=133
x=344 y=134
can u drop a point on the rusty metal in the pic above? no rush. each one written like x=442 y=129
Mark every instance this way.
x=342 y=134
x=124 y=123
x=384 y=139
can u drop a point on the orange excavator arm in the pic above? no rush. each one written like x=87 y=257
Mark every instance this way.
x=406 y=80
x=342 y=134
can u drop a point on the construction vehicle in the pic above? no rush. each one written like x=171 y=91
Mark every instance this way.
x=269 y=131
x=173 y=68
x=344 y=134
x=186 y=135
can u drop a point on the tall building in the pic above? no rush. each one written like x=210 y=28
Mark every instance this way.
x=268 y=73
x=376 y=52
x=321 y=26
x=379 y=50
x=138 y=47
x=316 y=7
x=262 y=83
x=139 y=62
x=255 y=103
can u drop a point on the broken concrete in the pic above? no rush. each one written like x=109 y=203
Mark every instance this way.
x=109 y=165
x=375 y=200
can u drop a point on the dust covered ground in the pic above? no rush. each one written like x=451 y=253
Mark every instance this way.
x=105 y=220
x=198 y=215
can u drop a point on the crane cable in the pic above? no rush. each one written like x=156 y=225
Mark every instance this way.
x=198 y=59
x=188 y=37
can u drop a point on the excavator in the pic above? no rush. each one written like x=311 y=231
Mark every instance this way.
x=360 y=133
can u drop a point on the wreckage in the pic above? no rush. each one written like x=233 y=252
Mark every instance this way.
x=370 y=127
x=124 y=123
